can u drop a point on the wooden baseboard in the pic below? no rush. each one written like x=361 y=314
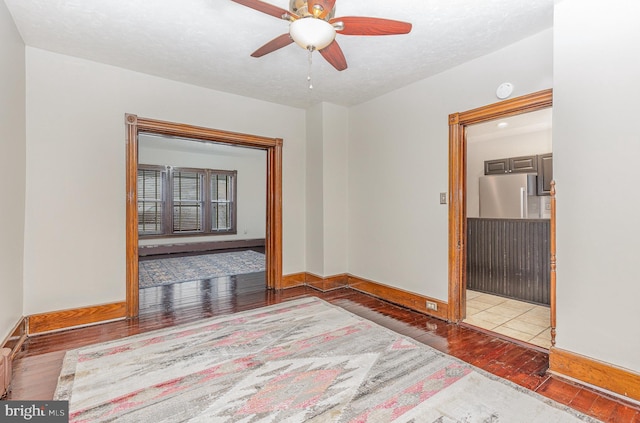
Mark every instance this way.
x=393 y=295
x=65 y=319
x=293 y=280
x=314 y=281
x=623 y=382
x=398 y=296
x=16 y=337
x=328 y=283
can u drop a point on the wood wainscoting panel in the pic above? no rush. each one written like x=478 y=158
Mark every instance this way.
x=397 y=296
x=509 y=258
x=620 y=381
x=65 y=319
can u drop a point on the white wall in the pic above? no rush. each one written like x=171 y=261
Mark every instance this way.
x=12 y=163
x=335 y=194
x=326 y=242
x=75 y=225
x=596 y=143
x=314 y=246
x=498 y=148
x=251 y=180
x=398 y=164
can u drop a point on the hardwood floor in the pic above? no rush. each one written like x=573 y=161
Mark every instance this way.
x=37 y=366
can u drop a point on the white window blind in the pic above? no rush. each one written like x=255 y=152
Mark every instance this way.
x=187 y=201
x=221 y=202
x=150 y=201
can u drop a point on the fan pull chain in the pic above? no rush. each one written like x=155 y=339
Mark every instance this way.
x=309 y=72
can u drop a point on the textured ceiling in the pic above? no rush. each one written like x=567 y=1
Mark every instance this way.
x=208 y=42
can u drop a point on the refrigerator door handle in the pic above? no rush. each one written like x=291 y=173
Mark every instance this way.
x=523 y=202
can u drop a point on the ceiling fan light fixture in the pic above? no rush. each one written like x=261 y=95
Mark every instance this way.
x=311 y=33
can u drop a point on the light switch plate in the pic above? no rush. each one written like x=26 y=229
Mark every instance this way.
x=443 y=198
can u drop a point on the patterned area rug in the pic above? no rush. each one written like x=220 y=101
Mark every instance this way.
x=298 y=361
x=181 y=269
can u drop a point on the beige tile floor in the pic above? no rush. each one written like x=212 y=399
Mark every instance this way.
x=516 y=319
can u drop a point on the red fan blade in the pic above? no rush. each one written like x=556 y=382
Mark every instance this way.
x=360 y=25
x=333 y=54
x=320 y=8
x=267 y=8
x=273 y=45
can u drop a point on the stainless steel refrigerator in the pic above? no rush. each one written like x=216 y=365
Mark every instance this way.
x=511 y=196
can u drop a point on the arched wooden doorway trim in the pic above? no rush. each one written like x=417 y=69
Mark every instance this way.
x=458 y=189
x=273 y=147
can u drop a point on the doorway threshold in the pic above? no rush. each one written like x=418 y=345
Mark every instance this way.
x=515 y=319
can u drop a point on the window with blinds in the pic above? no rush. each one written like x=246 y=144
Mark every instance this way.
x=181 y=201
x=150 y=200
x=187 y=201
x=221 y=202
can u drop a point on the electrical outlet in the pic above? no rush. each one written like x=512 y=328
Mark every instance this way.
x=432 y=306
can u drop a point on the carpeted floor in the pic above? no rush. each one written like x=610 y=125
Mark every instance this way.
x=181 y=269
x=297 y=361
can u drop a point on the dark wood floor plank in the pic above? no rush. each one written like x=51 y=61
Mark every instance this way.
x=38 y=364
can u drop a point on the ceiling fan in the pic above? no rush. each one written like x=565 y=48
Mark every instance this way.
x=312 y=26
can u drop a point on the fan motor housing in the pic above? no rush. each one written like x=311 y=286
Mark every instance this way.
x=300 y=8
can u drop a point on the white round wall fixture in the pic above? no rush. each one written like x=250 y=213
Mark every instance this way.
x=504 y=90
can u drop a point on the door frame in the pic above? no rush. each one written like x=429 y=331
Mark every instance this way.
x=273 y=236
x=458 y=188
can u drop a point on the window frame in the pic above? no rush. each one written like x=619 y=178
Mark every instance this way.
x=206 y=203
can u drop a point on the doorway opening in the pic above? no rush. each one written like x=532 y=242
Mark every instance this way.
x=137 y=126
x=508 y=231
x=464 y=198
x=201 y=223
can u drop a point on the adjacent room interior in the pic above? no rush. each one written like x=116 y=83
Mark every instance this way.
x=201 y=220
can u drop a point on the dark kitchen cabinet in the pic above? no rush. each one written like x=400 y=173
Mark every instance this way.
x=545 y=173
x=524 y=164
x=496 y=167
